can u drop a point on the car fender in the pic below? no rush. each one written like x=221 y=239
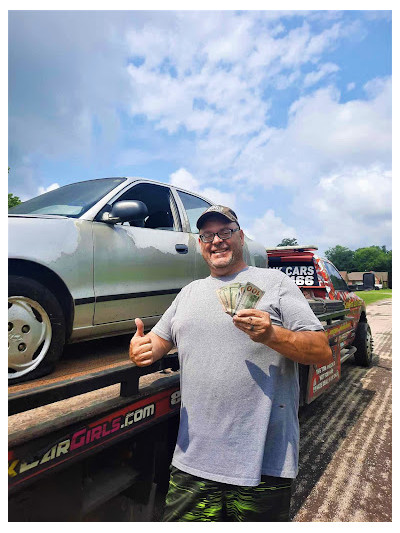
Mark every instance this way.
x=63 y=245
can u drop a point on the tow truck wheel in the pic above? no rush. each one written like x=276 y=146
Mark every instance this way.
x=363 y=343
x=36 y=329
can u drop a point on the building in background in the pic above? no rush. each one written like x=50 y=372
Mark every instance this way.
x=355 y=279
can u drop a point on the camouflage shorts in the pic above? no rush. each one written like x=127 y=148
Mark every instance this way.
x=193 y=499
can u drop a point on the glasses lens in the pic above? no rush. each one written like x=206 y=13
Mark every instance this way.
x=225 y=234
x=207 y=237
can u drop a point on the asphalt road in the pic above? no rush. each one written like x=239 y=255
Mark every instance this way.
x=346 y=437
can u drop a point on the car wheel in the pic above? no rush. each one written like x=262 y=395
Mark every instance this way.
x=36 y=329
x=364 y=344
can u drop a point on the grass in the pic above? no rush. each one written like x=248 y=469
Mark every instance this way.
x=371 y=297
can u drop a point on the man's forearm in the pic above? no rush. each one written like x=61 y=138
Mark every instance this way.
x=306 y=347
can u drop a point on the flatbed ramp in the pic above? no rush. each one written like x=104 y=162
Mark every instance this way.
x=56 y=423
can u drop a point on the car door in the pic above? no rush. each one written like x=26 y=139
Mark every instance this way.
x=342 y=292
x=193 y=207
x=139 y=270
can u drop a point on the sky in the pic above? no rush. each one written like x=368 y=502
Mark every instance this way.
x=285 y=116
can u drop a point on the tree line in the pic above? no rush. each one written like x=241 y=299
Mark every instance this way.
x=370 y=258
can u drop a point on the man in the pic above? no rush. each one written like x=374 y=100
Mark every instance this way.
x=237 y=447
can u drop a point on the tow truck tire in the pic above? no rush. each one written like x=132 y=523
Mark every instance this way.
x=36 y=329
x=363 y=343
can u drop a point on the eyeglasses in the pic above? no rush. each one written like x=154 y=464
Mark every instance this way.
x=223 y=234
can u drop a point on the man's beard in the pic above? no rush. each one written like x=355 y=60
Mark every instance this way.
x=223 y=264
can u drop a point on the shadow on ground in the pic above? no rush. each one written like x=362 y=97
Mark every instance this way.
x=324 y=424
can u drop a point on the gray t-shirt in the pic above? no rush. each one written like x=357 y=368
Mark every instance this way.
x=239 y=400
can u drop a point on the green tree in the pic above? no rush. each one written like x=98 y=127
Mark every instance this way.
x=13 y=200
x=341 y=257
x=375 y=258
x=288 y=242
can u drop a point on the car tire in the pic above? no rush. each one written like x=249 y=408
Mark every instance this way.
x=36 y=329
x=364 y=344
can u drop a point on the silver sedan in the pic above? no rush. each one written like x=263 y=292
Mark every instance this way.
x=87 y=258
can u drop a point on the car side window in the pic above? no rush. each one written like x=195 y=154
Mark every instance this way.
x=337 y=281
x=162 y=211
x=194 y=207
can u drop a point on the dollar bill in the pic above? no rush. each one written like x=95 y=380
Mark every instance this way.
x=236 y=296
x=228 y=296
x=222 y=298
x=249 y=298
x=234 y=291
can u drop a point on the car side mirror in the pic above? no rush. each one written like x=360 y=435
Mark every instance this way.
x=132 y=211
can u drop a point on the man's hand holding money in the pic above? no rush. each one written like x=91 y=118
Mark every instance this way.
x=306 y=347
x=257 y=324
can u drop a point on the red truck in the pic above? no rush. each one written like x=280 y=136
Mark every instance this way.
x=340 y=310
x=108 y=460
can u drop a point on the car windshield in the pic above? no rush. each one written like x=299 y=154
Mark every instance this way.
x=71 y=200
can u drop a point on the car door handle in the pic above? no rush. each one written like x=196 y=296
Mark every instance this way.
x=181 y=248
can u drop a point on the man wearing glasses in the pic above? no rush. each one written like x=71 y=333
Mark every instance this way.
x=237 y=447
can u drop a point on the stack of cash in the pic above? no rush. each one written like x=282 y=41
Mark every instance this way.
x=238 y=296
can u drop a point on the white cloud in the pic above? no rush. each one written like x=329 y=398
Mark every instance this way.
x=315 y=76
x=223 y=105
x=223 y=61
x=184 y=179
x=350 y=86
x=52 y=187
x=323 y=135
x=350 y=207
x=270 y=229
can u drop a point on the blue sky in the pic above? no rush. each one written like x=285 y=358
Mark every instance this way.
x=284 y=116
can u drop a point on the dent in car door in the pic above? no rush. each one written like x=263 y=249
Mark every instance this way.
x=139 y=271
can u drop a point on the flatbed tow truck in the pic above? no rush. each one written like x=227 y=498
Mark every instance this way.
x=97 y=447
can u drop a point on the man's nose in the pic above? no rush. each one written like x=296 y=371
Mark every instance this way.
x=218 y=239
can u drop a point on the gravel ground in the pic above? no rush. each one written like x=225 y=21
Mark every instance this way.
x=346 y=436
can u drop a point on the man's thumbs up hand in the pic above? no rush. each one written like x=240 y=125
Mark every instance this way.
x=141 y=348
x=139 y=327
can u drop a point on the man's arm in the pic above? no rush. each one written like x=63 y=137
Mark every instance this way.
x=306 y=347
x=147 y=349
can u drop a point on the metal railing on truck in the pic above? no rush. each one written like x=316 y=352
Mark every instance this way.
x=51 y=446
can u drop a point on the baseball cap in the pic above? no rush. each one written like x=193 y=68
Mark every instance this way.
x=222 y=210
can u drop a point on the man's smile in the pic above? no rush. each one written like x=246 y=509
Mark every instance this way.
x=219 y=251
